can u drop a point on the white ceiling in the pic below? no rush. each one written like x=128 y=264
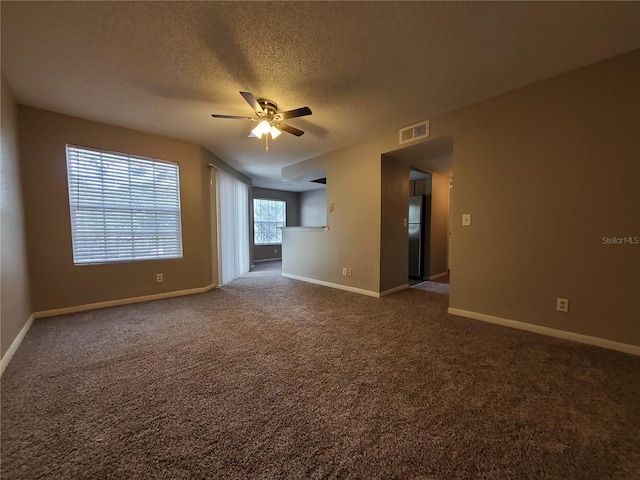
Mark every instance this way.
x=364 y=68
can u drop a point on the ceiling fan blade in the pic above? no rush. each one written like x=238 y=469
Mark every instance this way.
x=251 y=100
x=289 y=129
x=298 y=112
x=234 y=117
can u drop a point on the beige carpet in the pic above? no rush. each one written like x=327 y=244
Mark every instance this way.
x=271 y=378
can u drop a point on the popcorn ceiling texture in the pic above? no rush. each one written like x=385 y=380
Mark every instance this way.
x=270 y=378
x=364 y=68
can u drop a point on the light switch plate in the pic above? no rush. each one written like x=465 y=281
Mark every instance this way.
x=466 y=219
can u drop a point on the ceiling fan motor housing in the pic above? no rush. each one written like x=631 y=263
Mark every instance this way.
x=270 y=109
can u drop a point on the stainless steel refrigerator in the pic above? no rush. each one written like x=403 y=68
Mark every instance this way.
x=417 y=215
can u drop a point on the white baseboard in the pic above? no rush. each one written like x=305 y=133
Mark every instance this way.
x=439 y=275
x=394 y=290
x=551 y=332
x=361 y=291
x=122 y=301
x=267 y=260
x=8 y=355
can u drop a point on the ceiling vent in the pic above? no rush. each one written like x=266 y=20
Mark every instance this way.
x=414 y=132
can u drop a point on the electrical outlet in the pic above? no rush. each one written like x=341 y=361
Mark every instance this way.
x=348 y=272
x=466 y=219
x=159 y=278
x=562 y=304
x=344 y=271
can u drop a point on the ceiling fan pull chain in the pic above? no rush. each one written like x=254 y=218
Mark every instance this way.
x=267 y=142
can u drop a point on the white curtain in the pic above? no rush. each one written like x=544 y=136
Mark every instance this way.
x=232 y=199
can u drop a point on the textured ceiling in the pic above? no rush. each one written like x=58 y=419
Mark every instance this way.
x=364 y=68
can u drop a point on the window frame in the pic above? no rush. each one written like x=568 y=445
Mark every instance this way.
x=173 y=212
x=278 y=229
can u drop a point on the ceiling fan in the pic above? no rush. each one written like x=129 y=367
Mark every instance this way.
x=270 y=120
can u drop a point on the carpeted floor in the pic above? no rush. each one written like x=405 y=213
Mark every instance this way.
x=270 y=267
x=271 y=378
x=435 y=287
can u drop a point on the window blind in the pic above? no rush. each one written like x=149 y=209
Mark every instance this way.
x=123 y=207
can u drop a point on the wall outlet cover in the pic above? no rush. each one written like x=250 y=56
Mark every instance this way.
x=562 y=304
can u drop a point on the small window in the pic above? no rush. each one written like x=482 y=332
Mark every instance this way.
x=123 y=208
x=269 y=216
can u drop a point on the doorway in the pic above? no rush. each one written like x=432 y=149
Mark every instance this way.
x=431 y=173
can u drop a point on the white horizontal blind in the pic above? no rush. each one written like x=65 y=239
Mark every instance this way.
x=123 y=207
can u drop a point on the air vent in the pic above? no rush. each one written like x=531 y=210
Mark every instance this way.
x=414 y=132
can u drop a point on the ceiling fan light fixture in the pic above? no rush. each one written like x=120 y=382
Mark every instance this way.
x=261 y=129
x=274 y=132
x=268 y=118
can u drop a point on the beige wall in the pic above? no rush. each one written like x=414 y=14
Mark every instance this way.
x=394 y=236
x=313 y=208
x=353 y=239
x=546 y=171
x=55 y=281
x=439 y=225
x=14 y=294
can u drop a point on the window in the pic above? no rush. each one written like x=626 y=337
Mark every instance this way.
x=268 y=219
x=123 y=207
